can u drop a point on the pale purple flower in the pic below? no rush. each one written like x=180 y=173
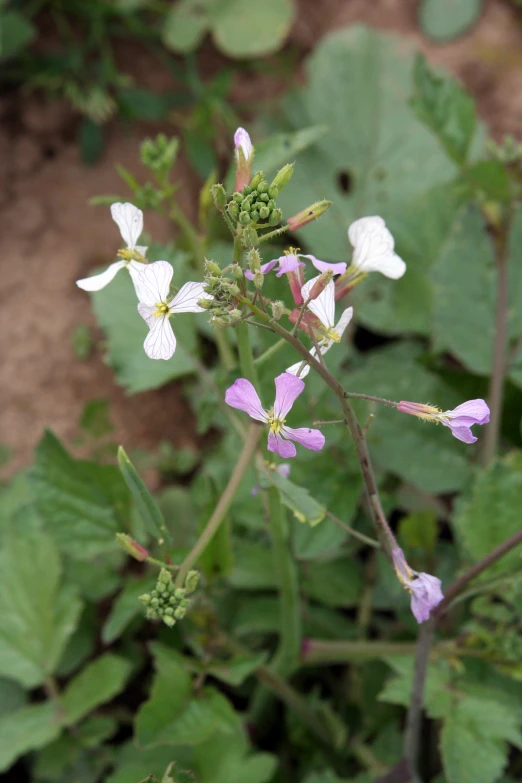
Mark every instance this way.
x=459 y=420
x=323 y=307
x=244 y=157
x=242 y=141
x=155 y=307
x=282 y=470
x=243 y=396
x=425 y=589
x=290 y=262
x=373 y=248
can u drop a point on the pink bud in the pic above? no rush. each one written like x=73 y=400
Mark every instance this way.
x=307 y=215
x=135 y=550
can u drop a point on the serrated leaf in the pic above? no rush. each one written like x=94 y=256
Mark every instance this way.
x=28 y=728
x=303 y=506
x=251 y=29
x=39 y=614
x=80 y=502
x=444 y=20
x=238 y=669
x=98 y=683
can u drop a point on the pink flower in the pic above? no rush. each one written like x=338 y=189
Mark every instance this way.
x=243 y=396
x=459 y=420
x=290 y=263
x=425 y=589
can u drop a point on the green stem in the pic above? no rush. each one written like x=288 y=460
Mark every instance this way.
x=269 y=353
x=317 y=651
x=246 y=359
x=223 y=504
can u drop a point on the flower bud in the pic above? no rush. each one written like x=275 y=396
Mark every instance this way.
x=244 y=218
x=132 y=547
x=179 y=613
x=320 y=284
x=307 y=215
x=235 y=314
x=255 y=215
x=250 y=237
x=254 y=260
x=219 y=197
x=262 y=187
x=212 y=267
x=170 y=621
x=244 y=157
x=233 y=210
x=236 y=271
x=258 y=278
x=234 y=290
x=238 y=197
x=278 y=309
x=276 y=217
x=281 y=179
x=191 y=581
x=256 y=179
x=264 y=212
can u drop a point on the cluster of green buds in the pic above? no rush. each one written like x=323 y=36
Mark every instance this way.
x=168 y=602
x=223 y=289
x=159 y=154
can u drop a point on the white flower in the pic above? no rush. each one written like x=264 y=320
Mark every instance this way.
x=152 y=287
x=129 y=220
x=323 y=307
x=373 y=248
x=242 y=141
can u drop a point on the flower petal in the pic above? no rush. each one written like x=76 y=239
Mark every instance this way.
x=324 y=266
x=243 y=396
x=283 y=469
x=282 y=447
x=462 y=433
x=288 y=389
x=264 y=268
x=476 y=410
x=97 y=282
x=242 y=139
x=186 y=300
x=310 y=439
x=288 y=263
x=322 y=306
x=373 y=248
x=426 y=594
x=135 y=269
x=301 y=368
x=160 y=342
x=147 y=313
x=129 y=220
x=153 y=283
x=343 y=322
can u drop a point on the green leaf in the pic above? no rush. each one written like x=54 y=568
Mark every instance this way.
x=335 y=583
x=28 y=728
x=304 y=507
x=253 y=567
x=490 y=514
x=438 y=695
x=251 y=29
x=488 y=179
x=39 y=615
x=444 y=20
x=98 y=683
x=173 y=775
x=91 y=140
x=115 y=310
x=238 y=669
x=80 y=502
x=12 y=696
x=16 y=32
x=141 y=104
x=444 y=107
x=125 y=608
x=358 y=84
x=419 y=530
x=185 y=25
x=147 y=506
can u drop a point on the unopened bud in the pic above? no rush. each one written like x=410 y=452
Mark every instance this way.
x=307 y=215
x=170 y=621
x=258 y=278
x=276 y=217
x=262 y=187
x=320 y=284
x=281 y=179
x=244 y=218
x=254 y=260
x=233 y=210
x=212 y=267
x=256 y=179
x=164 y=578
x=191 y=581
x=264 y=212
x=236 y=271
x=255 y=215
x=179 y=613
x=235 y=314
x=278 y=309
x=132 y=547
x=206 y=304
x=234 y=290
x=250 y=236
x=219 y=196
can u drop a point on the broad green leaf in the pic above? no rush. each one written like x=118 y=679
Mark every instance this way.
x=115 y=310
x=395 y=372
x=125 y=608
x=28 y=728
x=98 y=683
x=185 y=25
x=39 y=615
x=491 y=513
x=253 y=566
x=16 y=508
x=303 y=506
x=174 y=775
x=12 y=696
x=16 y=32
x=335 y=583
x=444 y=20
x=203 y=716
x=141 y=104
x=359 y=83
x=310 y=543
x=469 y=757
x=438 y=696
x=257 y=615
x=236 y=670
x=419 y=530
x=149 y=510
x=251 y=29
x=445 y=108
x=81 y=502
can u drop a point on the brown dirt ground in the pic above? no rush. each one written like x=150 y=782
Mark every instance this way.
x=49 y=236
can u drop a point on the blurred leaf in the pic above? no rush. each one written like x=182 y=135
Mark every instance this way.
x=253 y=567
x=491 y=513
x=419 y=530
x=82 y=503
x=28 y=728
x=39 y=614
x=304 y=507
x=236 y=670
x=96 y=418
x=82 y=340
x=115 y=310
x=91 y=140
x=185 y=25
x=125 y=608
x=149 y=510
x=177 y=776
x=98 y=683
x=310 y=543
x=489 y=179
x=257 y=615
x=140 y=104
x=334 y=583
x=444 y=20
x=81 y=644
x=16 y=33
x=12 y=696
x=251 y=29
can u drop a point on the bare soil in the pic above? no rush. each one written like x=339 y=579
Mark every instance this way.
x=49 y=236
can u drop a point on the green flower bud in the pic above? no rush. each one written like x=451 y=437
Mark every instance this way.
x=206 y=304
x=219 y=197
x=253 y=260
x=278 y=309
x=170 y=621
x=169 y=611
x=160 y=588
x=244 y=218
x=250 y=237
x=234 y=290
x=154 y=593
x=256 y=179
x=262 y=187
x=254 y=215
x=179 y=593
x=258 y=278
x=164 y=577
x=213 y=268
x=235 y=314
x=264 y=197
x=282 y=178
x=271 y=204
x=264 y=212
x=146 y=598
x=237 y=271
x=179 y=613
x=306 y=216
x=275 y=217
x=247 y=190
x=259 y=205
x=273 y=192
x=154 y=603
x=246 y=205
x=233 y=210
x=132 y=547
x=238 y=197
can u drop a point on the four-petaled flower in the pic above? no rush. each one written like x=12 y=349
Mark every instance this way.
x=155 y=307
x=129 y=220
x=425 y=589
x=243 y=396
x=459 y=420
x=373 y=248
x=323 y=307
x=290 y=263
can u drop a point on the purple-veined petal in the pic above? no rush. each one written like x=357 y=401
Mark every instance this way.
x=147 y=313
x=474 y=411
x=343 y=322
x=242 y=139
x=324 y=305
x=160 y=342
x=284 y=448
x=186 y=300
x=265 y=268
x=288 y=263
x=324 y=266
x=310 y=439
x=288 y=389
x=243 y=396
x=97 y=282
x=462 y=433
x=153 y=284
x=129 y=220
x=135 y=269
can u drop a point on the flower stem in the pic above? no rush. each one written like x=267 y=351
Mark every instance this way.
x=371 y=398
x=355 y=533
x=317 y=651
x=223 y=504
x=269 y=353
x=246 y=359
